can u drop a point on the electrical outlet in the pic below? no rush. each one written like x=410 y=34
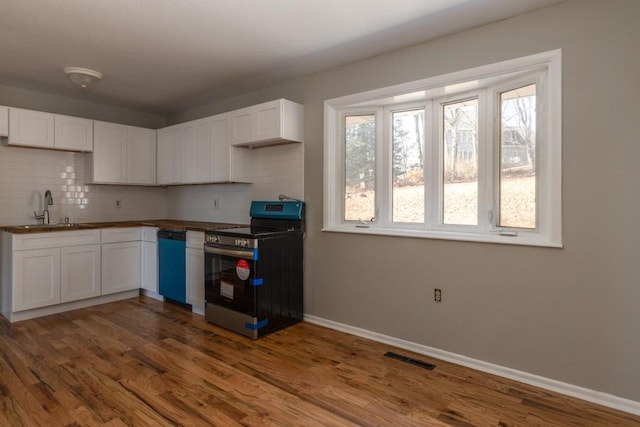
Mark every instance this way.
x=216 y=203
x=118 y=203
x=437 y=295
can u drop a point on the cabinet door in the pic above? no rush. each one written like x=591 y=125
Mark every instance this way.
x=36 y=278
x=220 y=146
x=31 y=128
x=203 y=150
x=195 y=277
x=109 y=153
x=150 y=266
x=121 y=267
x=266 y=121
x=178 y=157
x=4 y=121
x=166 y=139
x=186 y=138
x=241 y=126
x=141 y=156
x=73 y=133
x=79 y=272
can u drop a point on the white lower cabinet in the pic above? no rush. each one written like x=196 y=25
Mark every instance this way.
x=150 y=266
x=195 y=277
x=46 y=269
x=121 y=264
x=36 y=278
x=79 y=272
x=150 y=259
x=195 y=270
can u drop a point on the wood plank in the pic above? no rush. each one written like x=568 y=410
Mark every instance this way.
x=142 y=362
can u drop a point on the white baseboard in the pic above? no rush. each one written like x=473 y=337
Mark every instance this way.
x=151 y=294
x=589 y=395
x=68 y=306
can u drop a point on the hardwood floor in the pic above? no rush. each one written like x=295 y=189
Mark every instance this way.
x=142 y=362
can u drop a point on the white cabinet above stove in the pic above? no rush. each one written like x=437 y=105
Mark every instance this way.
x=199 y=152
x=270 y=123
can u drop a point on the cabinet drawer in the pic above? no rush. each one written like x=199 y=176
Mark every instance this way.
x=126 y=234
x=150 y=234
x=195 y=239
x=55 y=239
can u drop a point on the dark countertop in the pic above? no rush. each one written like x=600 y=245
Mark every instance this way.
x=160 y=223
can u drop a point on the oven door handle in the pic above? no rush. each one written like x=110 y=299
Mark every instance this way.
x=248 y=254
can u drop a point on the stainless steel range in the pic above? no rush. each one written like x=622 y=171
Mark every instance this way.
x=253 y=275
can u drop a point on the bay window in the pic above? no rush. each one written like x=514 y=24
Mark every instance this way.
x=474 y=155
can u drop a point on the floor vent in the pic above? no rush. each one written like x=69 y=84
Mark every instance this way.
x=406 y=359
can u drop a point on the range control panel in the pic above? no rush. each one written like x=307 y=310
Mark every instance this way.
x=239 y=242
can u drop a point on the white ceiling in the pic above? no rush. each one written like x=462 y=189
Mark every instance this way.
x=168 y=55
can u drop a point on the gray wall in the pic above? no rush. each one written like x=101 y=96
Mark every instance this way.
x=78 y=107
x=569 y=314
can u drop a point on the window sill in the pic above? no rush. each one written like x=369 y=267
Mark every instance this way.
x=524 y=239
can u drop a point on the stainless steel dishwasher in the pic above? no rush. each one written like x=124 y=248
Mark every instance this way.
x=172 y=264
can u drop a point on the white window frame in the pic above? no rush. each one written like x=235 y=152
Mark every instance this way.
x=544 y=69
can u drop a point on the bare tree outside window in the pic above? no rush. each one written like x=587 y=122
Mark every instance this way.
x=518 y=158
x=408 y=170
x=460 y=162
x=360 y=162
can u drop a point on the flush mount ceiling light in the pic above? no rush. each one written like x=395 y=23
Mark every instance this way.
x=84 y=78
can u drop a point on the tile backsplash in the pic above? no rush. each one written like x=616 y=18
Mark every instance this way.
x=26 y=173
x=276 y=170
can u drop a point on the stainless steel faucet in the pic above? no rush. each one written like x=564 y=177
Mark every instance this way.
x=48 y=201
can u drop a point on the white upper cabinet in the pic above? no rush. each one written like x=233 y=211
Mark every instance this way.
x=141 y=156
x=219 y=154
x=165 y=165
x=199 y=152
x=31 y=128
x=228 y=163
x=73 y=133
x=122 y=155
x=270 y=123
x=242 y=125
x=186 y=142
x=214 y=149
x=191 y=152
x=170 y=154
x=203 y=147
x=45 y=130
x=4 y=121
x=109 y=153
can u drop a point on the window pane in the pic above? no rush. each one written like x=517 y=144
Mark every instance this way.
x=518 y=158
x=460 y=147
x=407 y=170
x=360 y=161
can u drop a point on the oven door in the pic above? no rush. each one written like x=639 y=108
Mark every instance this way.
x=230 y=278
